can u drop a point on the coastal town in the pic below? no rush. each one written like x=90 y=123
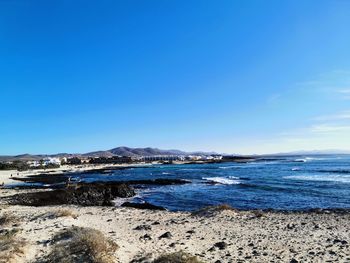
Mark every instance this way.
x=33 y=163
x=16 y=168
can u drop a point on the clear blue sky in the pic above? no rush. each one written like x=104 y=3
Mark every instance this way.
x=230 y=76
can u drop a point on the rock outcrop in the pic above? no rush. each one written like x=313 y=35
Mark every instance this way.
x=86 y=195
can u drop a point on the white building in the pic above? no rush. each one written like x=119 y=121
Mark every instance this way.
x=50 y=160
x=194 y=157
x=33 y=163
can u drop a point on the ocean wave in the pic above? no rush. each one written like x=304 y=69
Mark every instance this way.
x=229 y=167
x=222 y=180
x=191 y=169
x=119 y=201
x=312 y=158
x=334 y=178
x=308 y=159
x=296 y=169
x=340 y=171
x=165 y=173
x=300 y=160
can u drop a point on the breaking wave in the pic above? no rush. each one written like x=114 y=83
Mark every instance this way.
x=223 y=180
x=341 y=171
x=334 y=178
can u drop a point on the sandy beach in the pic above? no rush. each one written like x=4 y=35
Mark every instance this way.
x=6 y=175
x=221 y=236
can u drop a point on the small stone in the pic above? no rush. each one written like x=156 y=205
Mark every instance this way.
x=220 y=245
x=143 y=227
x=146 y=237
x=211 y=249
x=166 y=235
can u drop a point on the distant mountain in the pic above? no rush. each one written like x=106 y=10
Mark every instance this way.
x=132 y=152
x=119 y=151
x=31 y=157
x=98 y=154
x=22 y=157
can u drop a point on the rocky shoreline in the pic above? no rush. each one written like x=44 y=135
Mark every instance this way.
x=86 y=194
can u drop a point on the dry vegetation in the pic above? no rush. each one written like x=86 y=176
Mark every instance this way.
x=10 y=245
x=56 y=214
x=213 y=210
x=7 y=219
x=177 y=257
x=81 y=245
x=63 y=213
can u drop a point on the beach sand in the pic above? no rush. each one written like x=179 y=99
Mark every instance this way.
x=227 y=236
x=6 y=175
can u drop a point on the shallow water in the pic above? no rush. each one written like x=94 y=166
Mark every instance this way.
x=294 y=183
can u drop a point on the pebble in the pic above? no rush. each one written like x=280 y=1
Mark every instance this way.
x=166 y=235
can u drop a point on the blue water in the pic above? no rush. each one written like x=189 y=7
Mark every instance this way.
x=294 y=183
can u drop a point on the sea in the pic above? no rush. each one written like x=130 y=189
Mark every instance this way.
x=286 y=183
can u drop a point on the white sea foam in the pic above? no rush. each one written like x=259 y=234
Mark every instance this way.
x=301 y=160
x=165 y=173
x=312 y=158
x=228 y=167
x=222 y=180
x=119 y=201
x=296 y=169
x=308 y=159
x=321 y=178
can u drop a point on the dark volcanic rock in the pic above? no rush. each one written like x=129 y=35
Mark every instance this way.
x=343 y=242
x=143 y=206
x=143 y=227
x=220 y=245
x=86 y=195
x=166 y=235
